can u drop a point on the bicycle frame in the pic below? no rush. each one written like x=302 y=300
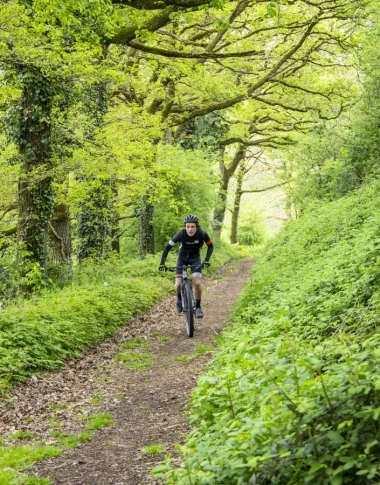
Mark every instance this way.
x=188 y=301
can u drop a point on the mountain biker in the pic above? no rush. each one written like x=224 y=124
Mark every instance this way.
x=191 y=239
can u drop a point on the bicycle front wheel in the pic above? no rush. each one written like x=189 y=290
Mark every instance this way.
x=188 y=309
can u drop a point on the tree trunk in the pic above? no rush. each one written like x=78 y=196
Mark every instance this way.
x=146 y=229
x=236 y=207
x=35 y=192
x=60 y=236
x=226 y=174
x=115 y=242
x=221 y=205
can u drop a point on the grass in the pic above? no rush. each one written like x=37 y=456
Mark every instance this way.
x=36 y=481
x=92 y=312
x=136 y=343
x=139 y=365
x=96 y=399
x=14 y=459
x=54 y=425
x=96 y=421
x=59 y=407
x=164 y=339
x=135 y=361
x=102 y=379
x=21 y=435
x=185 y=357
x=200 y=349
x=71 y=441
x=153 y=449
x=132 y=357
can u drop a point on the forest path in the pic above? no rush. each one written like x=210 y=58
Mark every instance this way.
x=147 y=405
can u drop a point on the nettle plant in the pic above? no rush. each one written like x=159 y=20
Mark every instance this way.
x=293 y=394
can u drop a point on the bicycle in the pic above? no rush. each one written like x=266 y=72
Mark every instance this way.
x=188 y=300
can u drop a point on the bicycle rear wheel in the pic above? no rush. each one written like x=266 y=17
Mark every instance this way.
x=188 y=309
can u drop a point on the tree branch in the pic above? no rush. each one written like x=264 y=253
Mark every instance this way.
x=240 y=7
x=282 y=61
x=9 y=232
x=160 y=4
x=272 y=102
x=332 y=117
x=190 y=55
x=179 y=38
x=8 y=209
x=300 y=88
x=238 y=157
x=126 y=35
x=194 y=113
x=253 y=191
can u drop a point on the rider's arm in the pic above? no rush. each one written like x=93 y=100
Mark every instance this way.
x=210 y=247
x=173 y=241
x=165 y=252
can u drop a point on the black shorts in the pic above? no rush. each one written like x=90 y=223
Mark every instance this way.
x=188 y=259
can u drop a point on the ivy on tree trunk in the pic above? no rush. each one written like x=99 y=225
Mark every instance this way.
x=146 y=229
x=32 y=134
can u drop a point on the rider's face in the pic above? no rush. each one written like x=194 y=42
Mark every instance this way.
x=191 y=228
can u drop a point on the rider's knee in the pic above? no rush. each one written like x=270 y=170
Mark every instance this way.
x=197 y=282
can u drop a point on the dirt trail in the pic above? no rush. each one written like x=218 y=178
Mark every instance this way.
x=147 y=405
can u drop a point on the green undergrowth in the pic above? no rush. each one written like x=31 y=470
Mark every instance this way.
x=293 y=394
x=97 y=421
x=16 y=459
x=154 y=449
x=40 y=333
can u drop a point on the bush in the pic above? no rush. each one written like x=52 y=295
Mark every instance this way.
x=252 y=232
x=293 y=394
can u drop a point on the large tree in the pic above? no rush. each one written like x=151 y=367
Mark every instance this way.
x=179 y=60
x=245 y=52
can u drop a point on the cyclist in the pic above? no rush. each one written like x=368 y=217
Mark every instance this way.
x=191 y=239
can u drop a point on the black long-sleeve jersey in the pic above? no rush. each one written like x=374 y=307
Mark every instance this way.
x=190 y=245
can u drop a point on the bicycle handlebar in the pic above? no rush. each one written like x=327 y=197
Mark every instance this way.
x=184 y=268
x=181 y=268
